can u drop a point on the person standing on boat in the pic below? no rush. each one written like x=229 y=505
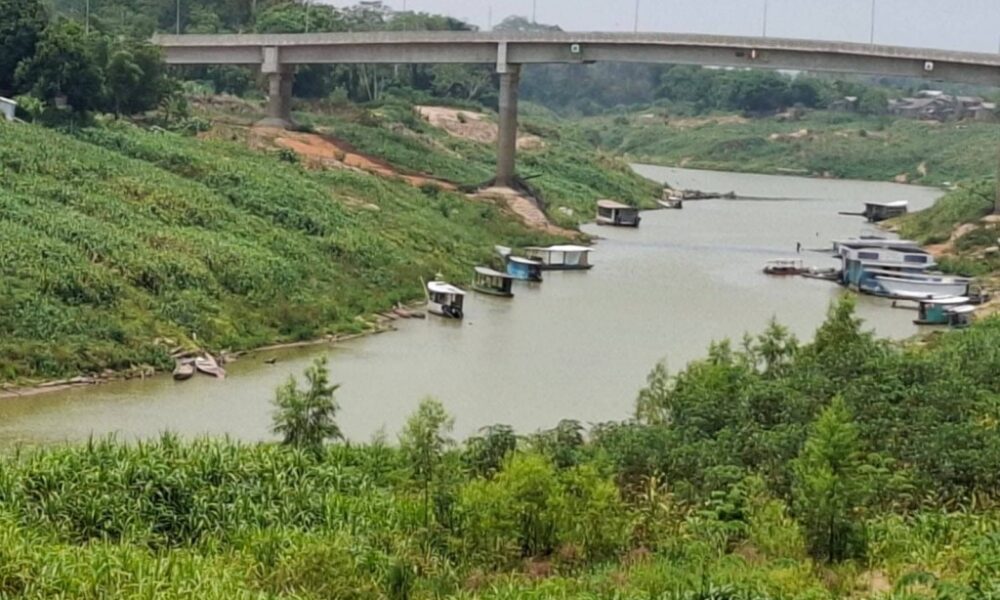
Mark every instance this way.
x=798 y=247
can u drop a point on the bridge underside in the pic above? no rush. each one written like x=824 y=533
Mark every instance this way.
x=277 y=54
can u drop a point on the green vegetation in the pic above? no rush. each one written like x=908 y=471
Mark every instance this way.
x=307 y=418
x=968 y=204
x=848 y=467
x=820 y=144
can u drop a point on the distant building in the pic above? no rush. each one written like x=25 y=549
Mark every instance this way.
x=7 y=108
x=845 y=104
x=935 y=105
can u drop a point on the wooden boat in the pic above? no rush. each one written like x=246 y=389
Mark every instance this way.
x=784 y=266
x=561 y=258
x=445 y=300
x=494 y=283
x=524 y=269
x=610 y=212
x=183 y=370
x=826 y=274
x=208 y=365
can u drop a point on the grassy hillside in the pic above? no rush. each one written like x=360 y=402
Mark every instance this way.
x=838 y=144
x=566 y=170
x=118 y=244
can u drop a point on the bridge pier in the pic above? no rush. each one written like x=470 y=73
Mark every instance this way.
x=279 y=90
x=510 y=77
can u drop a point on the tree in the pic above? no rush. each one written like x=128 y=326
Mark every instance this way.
x=829 y=487
x=21 y=25
x=485 y=454
x=63 y=65
x=423 y=441
x=307 y=418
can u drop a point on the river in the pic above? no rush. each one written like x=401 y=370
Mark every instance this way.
x=577 y=346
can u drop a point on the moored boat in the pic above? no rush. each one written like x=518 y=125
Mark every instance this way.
x=561 y=257
x=183 y=370
x=937 y=311
x=784 y=266
x=671 y=202
x=494 y=283
x=610 y=212
x=445 y=300
x=524 y=269
x=903 y=284
x=209 y=366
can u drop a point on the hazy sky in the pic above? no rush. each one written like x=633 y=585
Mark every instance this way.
x=949 y=24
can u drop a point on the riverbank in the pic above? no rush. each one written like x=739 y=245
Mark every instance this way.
x=818 y=144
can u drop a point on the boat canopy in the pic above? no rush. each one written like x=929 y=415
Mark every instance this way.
x=440 y=287
x=487 y=272
x=894 y=204
x=928 y=298
x=946 y=300
x=562 y=248
x=613 y=205
x=785 y=262
x=525 y=261
x=961 y=310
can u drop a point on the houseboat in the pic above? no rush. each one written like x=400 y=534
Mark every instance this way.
x=445 y=300
x=561 y=258
x=610 y=212
x=495 y=283
x=896 y=284
x=960 y=316
x=524 y=269
x=880 y=211
x=936 y=311
x=863 y=262
x=784 y=266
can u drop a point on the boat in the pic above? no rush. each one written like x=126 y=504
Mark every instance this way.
x=495 y=283
x=561 y=258
x=610 y=212
x=903 y=283
x=524 y=269
x=935 y=311
x=960 y=316
x=183 y=370
x=824 y=273
x=445 y=300
x=208 y=365
x=671 y=201
x=784 y=266
x=876 y=212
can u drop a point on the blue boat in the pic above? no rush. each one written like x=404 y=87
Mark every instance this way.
x=524 y=269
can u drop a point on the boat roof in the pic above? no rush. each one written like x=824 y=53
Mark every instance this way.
x=488 y=272
x=873 y=242
x=524 y=261
x=893 y=204
x=562 y=248
x=919 y=277
x=442 y=287
x=612 y=204
x=962 y=310
x=784 y=261
x=946 y=300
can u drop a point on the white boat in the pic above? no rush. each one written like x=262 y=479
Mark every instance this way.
x=445 y=299
x=209 y=366
x=561 y=258
x=610 y=212
x=908 y=285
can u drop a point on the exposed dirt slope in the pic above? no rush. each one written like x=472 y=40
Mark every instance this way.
x=472 y=125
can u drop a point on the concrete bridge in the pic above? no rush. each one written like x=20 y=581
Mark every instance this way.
x=277 y=54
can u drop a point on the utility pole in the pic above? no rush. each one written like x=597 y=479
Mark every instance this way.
x=307 y=16
x=765 y=18
x=871 y=36
x=489 y=17
x=635 y=27
x=86 y=18
x=534 y=12
x=178 y=22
